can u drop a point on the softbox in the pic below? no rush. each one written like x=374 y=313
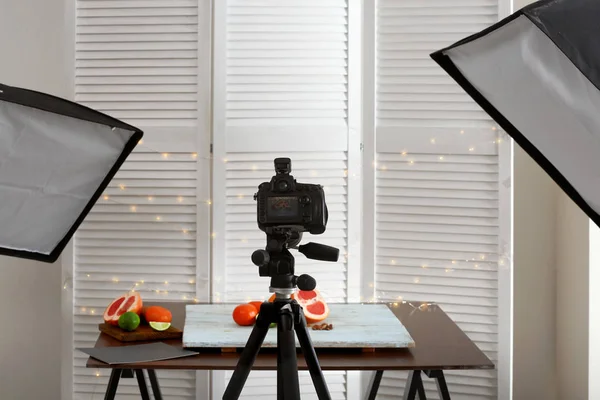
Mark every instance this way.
x=537 y=74
x=56 y=159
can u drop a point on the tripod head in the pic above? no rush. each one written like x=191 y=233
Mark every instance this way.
x=277 y=262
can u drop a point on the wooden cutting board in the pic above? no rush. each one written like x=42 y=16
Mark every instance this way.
x=359 y=326
x=142 y=333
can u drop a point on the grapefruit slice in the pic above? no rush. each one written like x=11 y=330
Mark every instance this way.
x=129 y=302
x=316 y=311
x=314 y=305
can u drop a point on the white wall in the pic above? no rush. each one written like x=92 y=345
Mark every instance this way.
x=534 y=359
x=31 y=55
x=572 y=295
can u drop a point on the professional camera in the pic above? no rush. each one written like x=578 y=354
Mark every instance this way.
x=285 y=203
x=286 y=209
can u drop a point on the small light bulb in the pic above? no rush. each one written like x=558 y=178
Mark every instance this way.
x=404 y=153
x=375 y=163
x=383 y=168
x=196 y=300
x=157 y=291
x=165 y=155
x=180 y=199
x=213 y=235
x=411 y=162
x=194 y=155
x=441 y=158
x=393 y=262
x=417 y=280
x=240 y=196
x=453 y=261
x=482 y=256
x=93 y=311
x=192 y=281
x=122 y=186
x=399 y=297
x=424 y=266
x=106 y=197
x=150 y=198
x=88 y=275
x=185 y=231
x=166 y=282
x=137 y=284
x=345 y=172
x=371 y=284
x=141 y=141
x=133 y=208
x=158 y=218
x=225 y=160
x=476 y=266
x=142 y=281
x=432 y=141
x=83 y=309
x=462 y=132
x=97 y=373
x=493 y=128
x=254 y=168
x=471 y=148
x=208 y=202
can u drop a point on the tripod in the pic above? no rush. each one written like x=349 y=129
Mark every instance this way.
x=289 y=317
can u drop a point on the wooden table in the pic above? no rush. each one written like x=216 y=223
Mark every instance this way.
x=439 y=345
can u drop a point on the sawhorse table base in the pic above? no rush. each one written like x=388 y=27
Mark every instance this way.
x=414 y=385
x=117 y=374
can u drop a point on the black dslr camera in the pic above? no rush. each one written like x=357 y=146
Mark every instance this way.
x=285 y=203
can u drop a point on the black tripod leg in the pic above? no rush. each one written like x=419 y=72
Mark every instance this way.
x=287 y=362
x=248 y=356
x=310 y=356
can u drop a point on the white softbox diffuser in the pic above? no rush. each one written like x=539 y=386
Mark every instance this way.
x=56 y=159
x=537 y=74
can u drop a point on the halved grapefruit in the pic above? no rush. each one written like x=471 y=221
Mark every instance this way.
x=316 y=311
x=131 y=301
x=314 y=305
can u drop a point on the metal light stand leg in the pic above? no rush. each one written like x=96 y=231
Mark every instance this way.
x=374 y=386
x=414 y=386
x=113 y=384
x=139 y=374
x=154 y=384
x=440 y=380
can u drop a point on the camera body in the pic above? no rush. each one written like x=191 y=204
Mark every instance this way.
x=285 y=203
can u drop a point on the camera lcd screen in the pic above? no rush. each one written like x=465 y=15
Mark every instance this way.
x=282 y=206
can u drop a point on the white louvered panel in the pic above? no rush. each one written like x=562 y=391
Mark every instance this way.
x=244 y=173
x=437 y=240
x=137 y=60
x=142 y=230
x=286 y=63
x=412 y=91
x=257 y=386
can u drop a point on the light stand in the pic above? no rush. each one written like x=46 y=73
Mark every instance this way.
x=278 y=263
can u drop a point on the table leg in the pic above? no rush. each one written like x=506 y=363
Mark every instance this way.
x=113 y=384
x=414 y=386
x=139 y=374
x=374 y=387
x=440 y=380
x=154 y=384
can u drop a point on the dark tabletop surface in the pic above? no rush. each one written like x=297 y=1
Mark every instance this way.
x=439 y=344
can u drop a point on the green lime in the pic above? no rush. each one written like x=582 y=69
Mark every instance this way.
x=129 y=321
x=160 y=326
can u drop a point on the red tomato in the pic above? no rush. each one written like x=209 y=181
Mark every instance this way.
x=256 y=304
x=245 y=314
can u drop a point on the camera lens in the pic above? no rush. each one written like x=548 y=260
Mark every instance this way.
x=282 y=186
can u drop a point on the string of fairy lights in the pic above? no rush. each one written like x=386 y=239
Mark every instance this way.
x=159 y=289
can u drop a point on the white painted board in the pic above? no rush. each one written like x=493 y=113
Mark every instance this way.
x=354 y=326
